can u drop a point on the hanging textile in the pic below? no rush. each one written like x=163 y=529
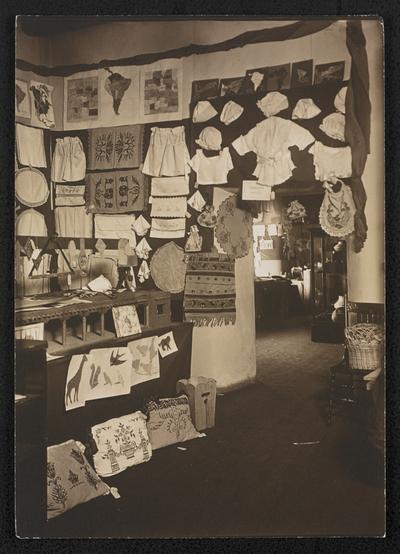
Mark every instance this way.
x=167 y=155
x=169 y=186
x=168 y=268
x=168 y=206
x=116 y=191
x=210 y=292
x=115 y=227
x=115 y=147
x=73 y=221
x=31 y=187
x=336 y=214
x=234 y=228
x=162 y=228
x=30 y=146
x=70 y=195
x=69 y=160
x=31 y=223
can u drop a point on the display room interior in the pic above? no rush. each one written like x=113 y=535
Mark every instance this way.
x=199 y=277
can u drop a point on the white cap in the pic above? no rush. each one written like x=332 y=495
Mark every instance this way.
x=273 y=103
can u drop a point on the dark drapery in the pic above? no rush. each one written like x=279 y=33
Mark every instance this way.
x=358 y=121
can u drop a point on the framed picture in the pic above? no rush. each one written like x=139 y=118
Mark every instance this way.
x=302 y=73
x=202 y=90
x=126 y=321
x=22 y=105
x=231 y=86
x=328 y=72
x=278 y=77
x=256 y=80
x=42 y=112
x=82 y=97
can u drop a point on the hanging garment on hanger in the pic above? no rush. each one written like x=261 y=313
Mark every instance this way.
x=69 y=160
x=271 y=140
x=141 y=226
x=31 y=187
x=167 y=155
x=73 y=221
x=30 y=146
x=107 y=226
x=212 y=170
x=170 y=186
x=168 y=206
x=168 y=228
x=337 y=211
x=31 y=223
x=331 y=162
x=116 y=147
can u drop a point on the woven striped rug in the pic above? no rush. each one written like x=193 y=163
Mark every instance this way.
x=210 y=292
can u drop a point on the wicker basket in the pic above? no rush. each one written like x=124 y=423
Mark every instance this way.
x=365 y=345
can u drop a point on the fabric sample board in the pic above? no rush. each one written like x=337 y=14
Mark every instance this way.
x=210 y=291
x=116 y=191
x=115 y=147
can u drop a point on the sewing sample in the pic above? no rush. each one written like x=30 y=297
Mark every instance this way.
x=210 y=291
x=203 y=112
x=162 y=228
x=333 y=126
x=141 y=226
x=168 y=206
x=331 y=162
x=69 y=160
x=115 y=147
x=126 y=320
x=305 y=109
x=73 y=221
x=121 y=442
x=212 y=170
x=273 y=103
x=194 y=241
x=196 y=201
x=231 y=112
x=30 y=146
x=143 y=249
x=169 y=422
x=31 y=187
x=336 y=214
x=70 y=479
x=167 y=344
x=31 y=223
x=145 y=360
x=70 y=195
x=234 y=229
x=167 y=154
x=168 y=268
x=169 y=186
x=115 y=227
x=271 y=140
x=42 y=104
x=144 y=272
x=210 y=138
x=116 y=191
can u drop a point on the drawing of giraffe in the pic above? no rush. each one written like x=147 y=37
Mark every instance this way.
x=74 y=382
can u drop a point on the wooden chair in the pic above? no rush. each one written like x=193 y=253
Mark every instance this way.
x=347 y=384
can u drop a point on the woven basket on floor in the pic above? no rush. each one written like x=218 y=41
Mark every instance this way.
x=365 y=345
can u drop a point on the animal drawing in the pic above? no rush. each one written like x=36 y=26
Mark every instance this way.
x=136 y=365
x=116 y=359
x=94 y=376
x=107 y=380
x=74 y=382
x=120 y=379
x=165 y=343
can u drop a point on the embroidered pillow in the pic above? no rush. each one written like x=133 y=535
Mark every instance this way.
x=169 y=422
x=70 y=479
x=121 y=442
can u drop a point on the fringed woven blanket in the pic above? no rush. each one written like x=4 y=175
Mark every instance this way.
x=210 y=292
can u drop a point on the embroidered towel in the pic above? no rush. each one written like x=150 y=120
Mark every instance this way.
x=114 y=227
x=115 y=147
x=210 y=292
x=168 y=206
x=169 y=186
x=30 y=146
x=73 y=221
x=116 y=191
x=70 y=195
x=168 y=228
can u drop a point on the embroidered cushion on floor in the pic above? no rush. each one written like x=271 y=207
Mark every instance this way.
x=70 y=479
x=121 y=442
x=169 y=422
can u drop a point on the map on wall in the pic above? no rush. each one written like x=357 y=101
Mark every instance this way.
x=116 y=85
x=82 y=98
x=161 y=91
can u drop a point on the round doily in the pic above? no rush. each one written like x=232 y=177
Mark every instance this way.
x=168 y=268
x=31 y=187
x=234 y=230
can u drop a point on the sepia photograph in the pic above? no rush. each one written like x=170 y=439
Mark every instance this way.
x=199 y=276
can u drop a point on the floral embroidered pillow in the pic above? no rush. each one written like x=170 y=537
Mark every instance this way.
x=70 y=479
x=121 y=443
x=169 y=422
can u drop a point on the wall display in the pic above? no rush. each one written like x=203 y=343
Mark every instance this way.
x=73 y=221
x=30 y=146
x=81 y=97
x=107 y=226
x=167 y=344
x=278 y=77
x=170 y=186
x=116 y=191
x=302 y=73
x=31 y=223
x=202 y=90
x=115 y=147
x=126 y=320
x=69 y=160
x=168 y=268
x=145 y=360
x=234 y=231
x=336 y=214
x=328 y=72
x=161 y=91
x=251 y=190
x=121 y=442
x=31 y=188
x=168 y=206
x=210 y=292
x=167 y=155
x=162 y=228
x=231 y=86
x=42 y=113
x=331 y=162
x=22 y=105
